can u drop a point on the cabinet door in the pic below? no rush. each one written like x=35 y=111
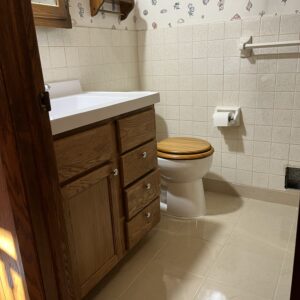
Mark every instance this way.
x=92 y=216
x=51 y=13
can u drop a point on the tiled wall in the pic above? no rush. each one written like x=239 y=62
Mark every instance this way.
x=103 y=59
x=198 y=67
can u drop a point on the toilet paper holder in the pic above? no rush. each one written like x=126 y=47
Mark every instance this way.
x=226 y=116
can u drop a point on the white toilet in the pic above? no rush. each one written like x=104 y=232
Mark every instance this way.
x=183 y=162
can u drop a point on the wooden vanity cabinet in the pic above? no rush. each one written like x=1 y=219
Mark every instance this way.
x=51 y=13
x=92 y=217
x=110 y=186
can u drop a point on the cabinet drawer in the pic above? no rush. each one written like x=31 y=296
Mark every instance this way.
x=82 y=151
x=139 y=162
x=136 y=130
x=142 y=193
x=142 y=223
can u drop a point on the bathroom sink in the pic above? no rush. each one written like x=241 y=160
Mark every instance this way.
x=73 y=111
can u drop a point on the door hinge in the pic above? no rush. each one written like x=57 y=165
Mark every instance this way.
x=45 y=101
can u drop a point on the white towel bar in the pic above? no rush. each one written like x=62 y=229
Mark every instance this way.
x=247 y=45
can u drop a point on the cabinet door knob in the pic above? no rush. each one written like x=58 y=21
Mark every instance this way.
x=115 y=172
x=148 y=186
x=148 y=215
x=144 y=155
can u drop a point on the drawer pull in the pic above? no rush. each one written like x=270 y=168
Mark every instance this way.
x=148 y=215
x=144 y=155
x=115 y=172
x=148 y=186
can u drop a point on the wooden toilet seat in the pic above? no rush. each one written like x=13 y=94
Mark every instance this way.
x=184 y=148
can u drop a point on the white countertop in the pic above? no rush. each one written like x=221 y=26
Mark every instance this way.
x=74 y=111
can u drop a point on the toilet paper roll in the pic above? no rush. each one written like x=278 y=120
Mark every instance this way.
x=221 y=119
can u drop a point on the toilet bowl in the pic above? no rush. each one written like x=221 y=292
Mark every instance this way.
x=183 y=162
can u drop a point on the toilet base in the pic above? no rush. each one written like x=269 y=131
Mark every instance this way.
x=184 y=200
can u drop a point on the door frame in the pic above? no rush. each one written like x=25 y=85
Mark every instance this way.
x=28 y=171
x=295 y=291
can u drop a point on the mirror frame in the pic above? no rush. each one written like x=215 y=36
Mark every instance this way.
x=52 y=16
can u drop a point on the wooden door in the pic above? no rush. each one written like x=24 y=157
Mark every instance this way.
x=92 y=216
x=33 y=250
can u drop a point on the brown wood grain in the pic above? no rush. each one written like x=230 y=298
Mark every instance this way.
x=183 y=145
x=92 y=215
x=28 y=159
x=52 y=16
x=80 y=152
x=185 y=156
x=142 y=223
x=138 y=195
x=136 y=129
x=134 y=165
x=126 y=7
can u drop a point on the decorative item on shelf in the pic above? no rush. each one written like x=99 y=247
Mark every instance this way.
x=121 y=7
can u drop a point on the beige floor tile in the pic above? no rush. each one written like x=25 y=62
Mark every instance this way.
x=170 y=225
x=159 y=283
x=212 y=290
x=292 y=241
x=220 y=204
x=283 y=290
x=188 y=254
x=218 y=224
x=216 y=229
x=119 y=280
x=269 y=222
x=249 y=264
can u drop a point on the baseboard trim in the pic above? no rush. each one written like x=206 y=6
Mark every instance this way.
x=283 y=197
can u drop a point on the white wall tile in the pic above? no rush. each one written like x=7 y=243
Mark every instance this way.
x=270 y=25
x=261 y=164
x=281 y=134
x=233 y=29
x=260 y=180
x=276 y=182
x=251 y=26
x=265 y=100
x=296 y=118
x=216 y=31
x=215 y=48
x=282 y=117
x=261 y=149
x=231 y=65
x=215 y=66
x=290 y=24
x=279 y=151
x=57 y=57
x=285 y=82
x=277 y=167
x=200 y=32
x=245 y=162
x=295 y=135
x=244 y=177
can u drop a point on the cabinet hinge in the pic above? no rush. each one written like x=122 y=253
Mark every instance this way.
x=45 y=101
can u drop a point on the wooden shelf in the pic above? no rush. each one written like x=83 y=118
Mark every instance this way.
x=125 y=7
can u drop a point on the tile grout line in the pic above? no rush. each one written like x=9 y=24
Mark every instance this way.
x=142 y=270
x=282 y=264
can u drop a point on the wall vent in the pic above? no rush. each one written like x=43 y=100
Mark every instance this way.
x=292 y=178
